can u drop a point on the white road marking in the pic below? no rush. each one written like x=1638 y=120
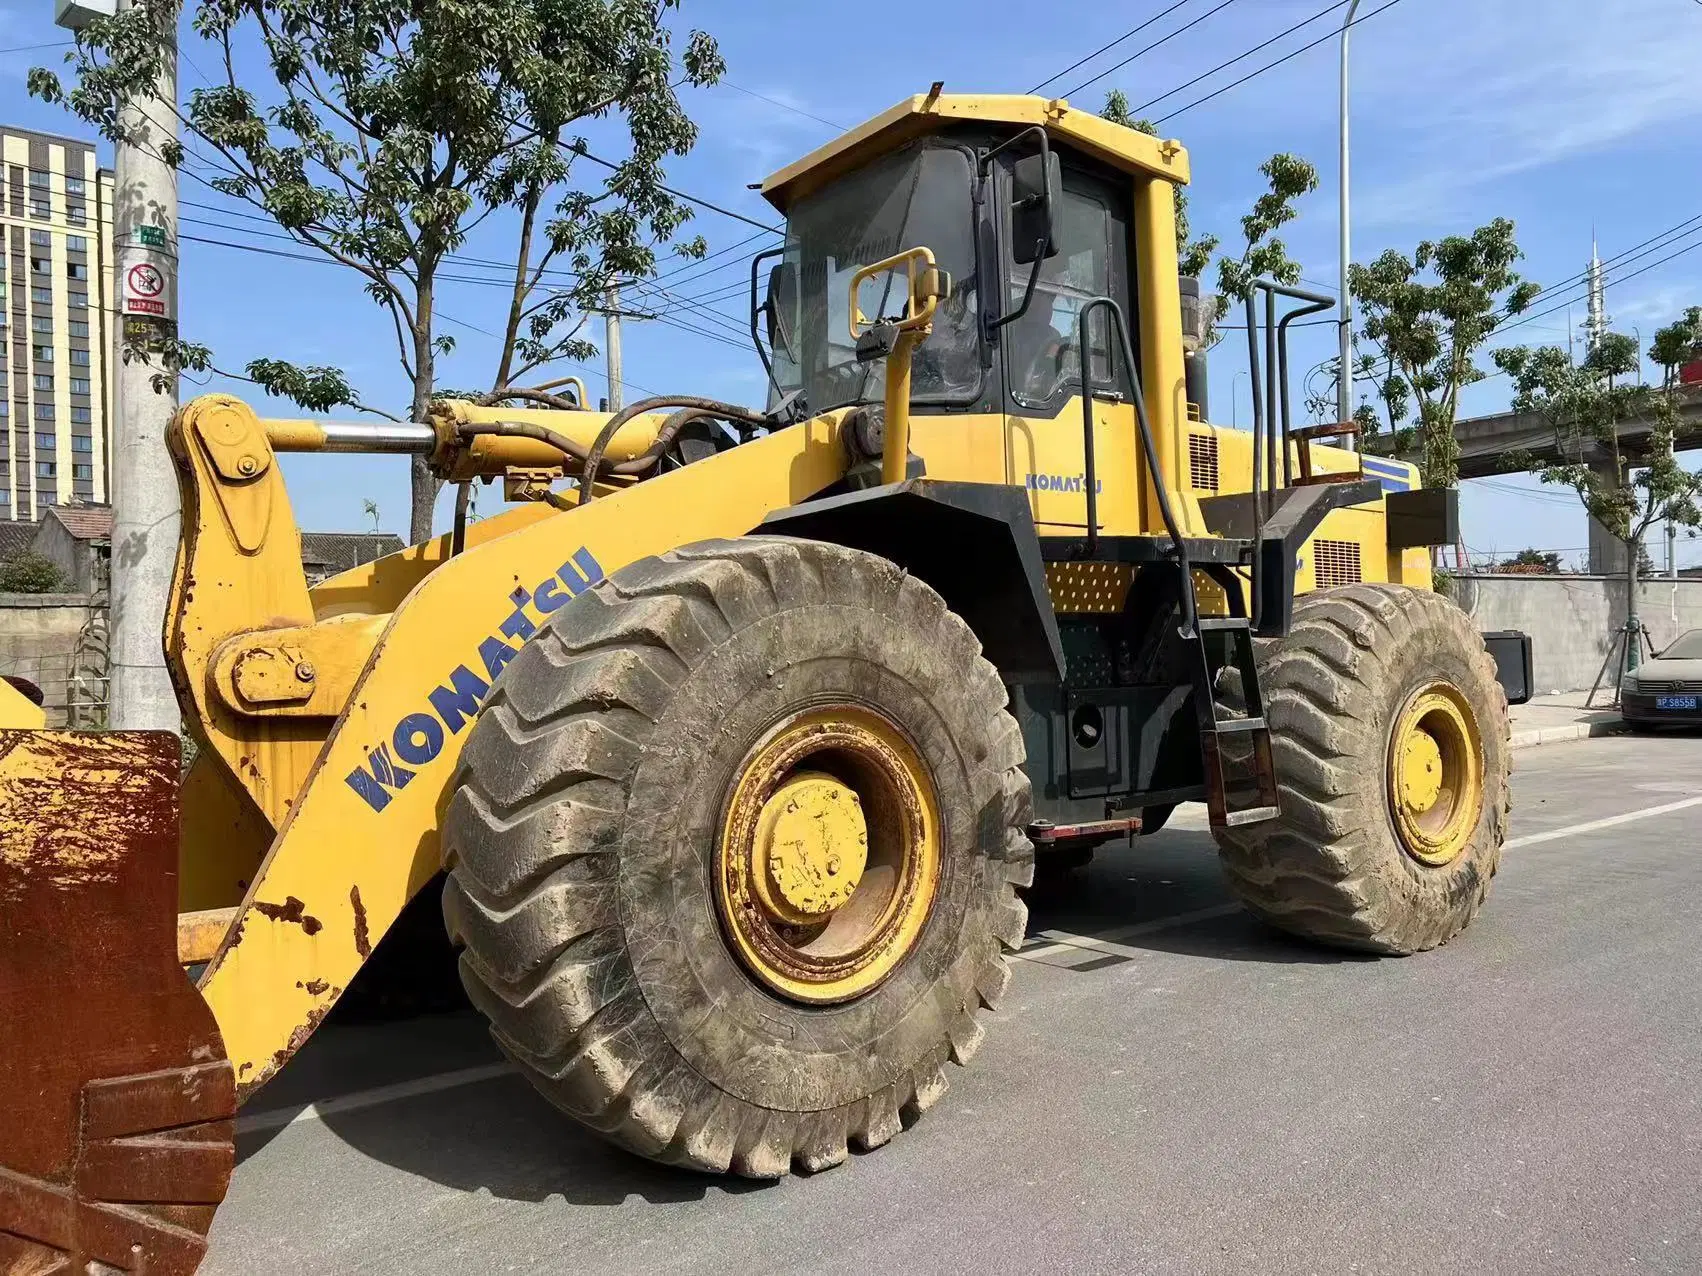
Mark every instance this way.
x=1590 y=826
x=1054 y=941
x=280 y=1117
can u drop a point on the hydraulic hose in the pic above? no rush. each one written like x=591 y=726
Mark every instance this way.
x=700 y=407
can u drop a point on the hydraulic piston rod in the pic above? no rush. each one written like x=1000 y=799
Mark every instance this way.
x=407 y=438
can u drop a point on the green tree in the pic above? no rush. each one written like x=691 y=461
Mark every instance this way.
x=381 y=133
x=1533 y=561
x=1425 y=317
x=1588 y=404
x=1287 y=178
x=31 y=573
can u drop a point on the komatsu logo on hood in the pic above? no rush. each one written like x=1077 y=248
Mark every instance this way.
x=419 y=737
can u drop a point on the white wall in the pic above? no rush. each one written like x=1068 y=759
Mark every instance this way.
x=1571 y=618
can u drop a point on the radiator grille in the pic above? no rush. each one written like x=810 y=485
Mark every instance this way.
x=1202 y=462
x=1336 y=563
x=1689 y=685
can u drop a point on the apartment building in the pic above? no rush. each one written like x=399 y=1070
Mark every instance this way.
x=55 y=299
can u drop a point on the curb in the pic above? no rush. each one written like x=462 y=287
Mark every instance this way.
x=1532 y=737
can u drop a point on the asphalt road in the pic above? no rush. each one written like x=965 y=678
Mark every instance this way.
x=1168 y=1088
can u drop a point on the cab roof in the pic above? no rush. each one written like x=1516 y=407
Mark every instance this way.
x=1124 y=148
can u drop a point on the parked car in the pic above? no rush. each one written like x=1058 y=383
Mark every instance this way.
x=1666 y=690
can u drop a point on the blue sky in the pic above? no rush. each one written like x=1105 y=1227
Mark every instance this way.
x=1584 y=119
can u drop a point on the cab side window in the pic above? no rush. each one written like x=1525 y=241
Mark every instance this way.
x=1041 y=347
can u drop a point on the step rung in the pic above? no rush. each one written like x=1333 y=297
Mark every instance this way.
x=1252 y=815
x=1223 y=622
x=1239 y=726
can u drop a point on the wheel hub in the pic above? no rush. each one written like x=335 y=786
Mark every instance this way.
x=812 y=845
x=829 y=855
x=1435 y=774
x=1421 y=771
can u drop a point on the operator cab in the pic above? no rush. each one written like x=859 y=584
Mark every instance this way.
x=1027 y=206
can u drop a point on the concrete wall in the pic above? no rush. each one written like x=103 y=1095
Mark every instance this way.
x=40 y=640
x=1570 y=618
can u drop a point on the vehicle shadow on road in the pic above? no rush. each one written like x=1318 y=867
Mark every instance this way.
x=1164 y=893
x=495 y=1134
x=504 y=1138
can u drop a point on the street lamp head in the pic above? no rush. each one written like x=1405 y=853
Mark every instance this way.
x=74 y=15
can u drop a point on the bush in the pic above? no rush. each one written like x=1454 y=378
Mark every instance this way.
x=30 y=573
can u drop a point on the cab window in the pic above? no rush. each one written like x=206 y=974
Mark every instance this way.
x=1041 y=354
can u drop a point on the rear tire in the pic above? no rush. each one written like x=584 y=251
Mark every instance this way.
x=1336 y=866
x=583 y=836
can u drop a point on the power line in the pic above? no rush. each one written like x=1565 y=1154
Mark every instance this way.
x=667 y=320
x=677 y=194
x=1106 y=48
x=1269 y=66
x=1247 y=53
x=28 y=48
x=1186 y=26
x=690 y=267
x=786 y=106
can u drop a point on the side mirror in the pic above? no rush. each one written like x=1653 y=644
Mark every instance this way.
x=1037 y=187
x=779 y=307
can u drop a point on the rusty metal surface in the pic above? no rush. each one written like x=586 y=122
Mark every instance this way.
x=116 y=1115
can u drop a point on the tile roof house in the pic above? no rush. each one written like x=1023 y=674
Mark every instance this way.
x=324 y=554
x=78 y=540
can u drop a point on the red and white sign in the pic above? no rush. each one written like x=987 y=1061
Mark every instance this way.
x=144 y=286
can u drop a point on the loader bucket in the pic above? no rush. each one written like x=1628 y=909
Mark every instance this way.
x=117 y=1102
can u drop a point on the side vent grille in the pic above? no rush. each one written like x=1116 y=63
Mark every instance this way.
x=1337 y=563
x=1202 y=462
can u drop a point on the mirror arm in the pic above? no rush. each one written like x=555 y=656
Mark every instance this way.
x=993 y=325
x=756 y=338
x=984 y=169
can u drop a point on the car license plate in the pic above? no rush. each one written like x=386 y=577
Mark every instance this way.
x=1676 y=702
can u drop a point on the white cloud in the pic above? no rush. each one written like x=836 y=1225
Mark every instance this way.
x=1497 y=90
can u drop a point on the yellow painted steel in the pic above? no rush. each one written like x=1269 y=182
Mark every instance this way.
x=17 y=710
x=922 y=293
x=1159 y=297
x=796 y=833
x=340 y=870
x=1123 y=148
x=320 y=816
x=810 y=848
x=1435 y=774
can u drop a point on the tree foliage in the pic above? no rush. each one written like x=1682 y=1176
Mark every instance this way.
x=381 y=133
x=1425 y=317
x=1532 y=562
x=1588 y=404
x=1287 y=178
x=31 y=573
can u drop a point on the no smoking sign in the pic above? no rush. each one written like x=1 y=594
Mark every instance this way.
x=144 y=290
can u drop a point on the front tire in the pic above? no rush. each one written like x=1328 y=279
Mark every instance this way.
x=598 y=874
x=1391 y=741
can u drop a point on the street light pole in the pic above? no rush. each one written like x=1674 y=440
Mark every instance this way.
x=1344 y=372
x=146 y=514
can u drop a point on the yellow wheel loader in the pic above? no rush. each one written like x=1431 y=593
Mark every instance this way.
x=736 y=738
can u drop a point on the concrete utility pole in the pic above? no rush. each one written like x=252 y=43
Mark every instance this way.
x=145 y=508
x=1344 y=373
x=612 y=343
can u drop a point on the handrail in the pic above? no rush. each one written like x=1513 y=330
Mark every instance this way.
x=1271 y=417
x=1148 y=447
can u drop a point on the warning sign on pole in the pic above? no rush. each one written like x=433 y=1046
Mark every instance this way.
x=144 y=289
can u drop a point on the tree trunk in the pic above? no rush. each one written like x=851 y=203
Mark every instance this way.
x=423 y=483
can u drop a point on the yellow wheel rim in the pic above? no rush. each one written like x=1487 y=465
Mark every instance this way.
x=1435 y=774
x=829 y=856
